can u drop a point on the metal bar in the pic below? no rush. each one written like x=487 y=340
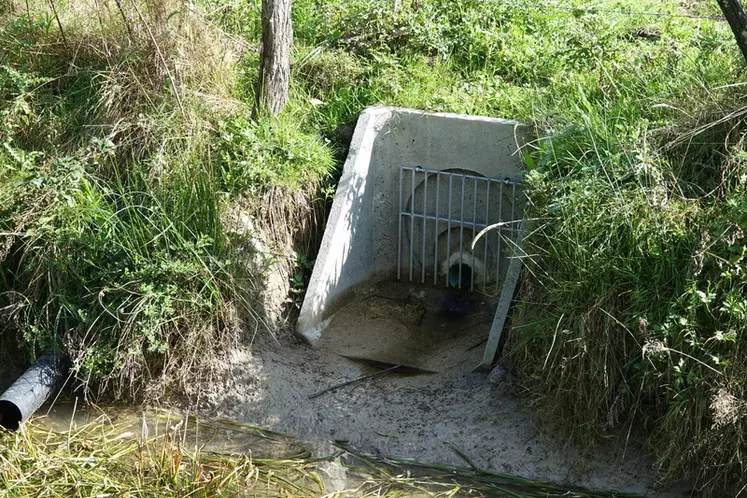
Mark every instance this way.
x=500 y=238
x=467 y=224
x=485 y=238
x=425 y=226
x=424 y=218
x=504 y=303
x=448 y=230
x=399 y=244
x=505 y=181
x=412 y=222
x=513 y=207
x=435 y=231
x=461 y=234
x=474 y=220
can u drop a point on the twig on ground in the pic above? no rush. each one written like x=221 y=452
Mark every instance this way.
x=359 y=379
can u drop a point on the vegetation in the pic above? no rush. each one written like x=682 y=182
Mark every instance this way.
x=105 y=459
x=124 y=145
x=127 y=143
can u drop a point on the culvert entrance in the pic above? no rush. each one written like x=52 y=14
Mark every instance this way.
x=398 y=323
x=399 y=233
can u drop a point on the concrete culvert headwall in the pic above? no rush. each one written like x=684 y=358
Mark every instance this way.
x=449 y=156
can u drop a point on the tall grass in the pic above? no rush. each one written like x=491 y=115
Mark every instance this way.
x=103 y=458
x=637 y=266
x=125 y=145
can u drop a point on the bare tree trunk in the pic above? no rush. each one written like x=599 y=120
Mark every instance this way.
x=734 y=12
x=274 y=65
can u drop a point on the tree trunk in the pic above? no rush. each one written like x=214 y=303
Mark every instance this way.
x=274 y=65
x=734 y=12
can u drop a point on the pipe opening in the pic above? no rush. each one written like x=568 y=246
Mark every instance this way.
x=10 y=415
x=460 y=275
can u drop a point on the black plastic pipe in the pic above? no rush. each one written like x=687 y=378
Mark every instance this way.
x=30 y=391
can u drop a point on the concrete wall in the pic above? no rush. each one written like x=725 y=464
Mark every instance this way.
x=361 y=239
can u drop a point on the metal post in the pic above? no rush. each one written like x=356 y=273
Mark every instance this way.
x=412 y=221
x=448 y=229
x=425 y=225
x=489 y=184
x=461 y=234
x=500 y=238
x=474 y=225
x=435 y=231
x=401 y=215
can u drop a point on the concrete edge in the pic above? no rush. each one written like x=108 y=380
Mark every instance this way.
x=311 y=325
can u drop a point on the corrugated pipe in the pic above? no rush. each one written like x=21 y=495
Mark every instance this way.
x=31 y=390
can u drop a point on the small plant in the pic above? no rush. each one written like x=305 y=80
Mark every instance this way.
x=300 y=279
x=253 y=156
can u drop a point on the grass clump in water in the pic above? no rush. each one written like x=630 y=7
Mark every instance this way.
x=105 y=459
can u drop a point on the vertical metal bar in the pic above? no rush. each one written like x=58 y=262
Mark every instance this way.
x=500 y=238
x=488 y=184
x=513 y=207
x=425 y=225
x=514 y=224
x=461 y=233
x=448 y=229
x=474 y=226
x=435 y=231
x=401 y=215
x=412 y=221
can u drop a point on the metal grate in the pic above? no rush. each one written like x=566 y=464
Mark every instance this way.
x=441 y=212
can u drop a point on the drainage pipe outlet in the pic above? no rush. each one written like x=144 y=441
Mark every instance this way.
x=30 y=391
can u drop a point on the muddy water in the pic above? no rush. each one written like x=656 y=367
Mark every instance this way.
x=214 y=436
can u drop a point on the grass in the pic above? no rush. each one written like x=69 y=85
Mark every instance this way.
x=637 y=268
x=102 y=458
x=127 y=147
x=470 y=480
